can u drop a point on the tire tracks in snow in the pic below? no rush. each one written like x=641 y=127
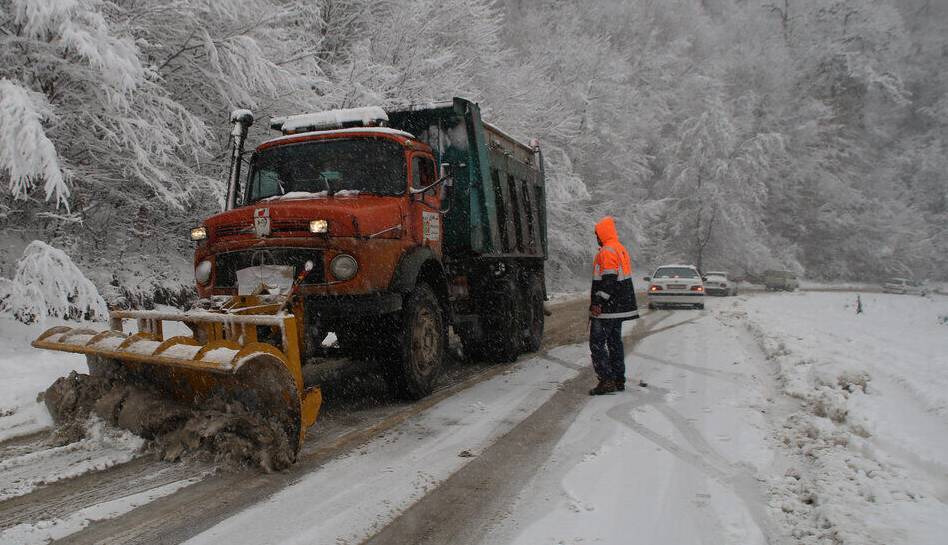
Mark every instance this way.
x=463 y=508
x=738 y=477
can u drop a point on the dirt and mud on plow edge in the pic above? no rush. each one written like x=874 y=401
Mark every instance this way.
x=250 y=354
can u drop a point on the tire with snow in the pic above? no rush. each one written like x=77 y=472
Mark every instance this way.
x=423 y=339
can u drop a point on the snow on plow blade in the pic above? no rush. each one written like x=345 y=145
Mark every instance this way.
x=250 y=358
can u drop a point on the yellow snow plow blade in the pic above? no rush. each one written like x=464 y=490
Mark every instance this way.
x=250 y=354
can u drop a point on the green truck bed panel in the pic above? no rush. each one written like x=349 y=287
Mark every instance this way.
x=498 y=207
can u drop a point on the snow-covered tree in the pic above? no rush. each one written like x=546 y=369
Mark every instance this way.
x=47 y=283
x=815 y=129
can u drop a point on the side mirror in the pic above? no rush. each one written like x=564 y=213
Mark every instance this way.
x=648 y=278
x=704 y=278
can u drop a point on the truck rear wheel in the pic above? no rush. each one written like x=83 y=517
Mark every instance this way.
x=533 y=314
x=423 y=340
x=503 y=326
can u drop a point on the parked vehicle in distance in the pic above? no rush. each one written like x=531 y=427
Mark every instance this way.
x=718 y=283
x=781 y=280
x=904 y=286
x=675 y=285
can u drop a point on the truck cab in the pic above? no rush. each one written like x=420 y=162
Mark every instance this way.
x=340 y=198
x=412 y=220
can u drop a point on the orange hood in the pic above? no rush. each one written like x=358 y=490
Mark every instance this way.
x=347 y=216
x=606 y=230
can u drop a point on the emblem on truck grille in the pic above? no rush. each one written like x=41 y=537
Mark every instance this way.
x=261 y=221
x=261 y=257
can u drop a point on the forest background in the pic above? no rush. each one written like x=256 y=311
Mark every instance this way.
x=741 y=135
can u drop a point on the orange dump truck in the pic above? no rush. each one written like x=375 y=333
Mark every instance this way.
x=384 y=227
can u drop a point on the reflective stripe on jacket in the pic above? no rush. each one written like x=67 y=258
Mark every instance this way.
x=612 y=276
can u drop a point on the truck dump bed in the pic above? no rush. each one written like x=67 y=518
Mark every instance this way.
x=498 y=206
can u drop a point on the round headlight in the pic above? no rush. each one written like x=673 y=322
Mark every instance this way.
x=202 y=273
x=344 y=267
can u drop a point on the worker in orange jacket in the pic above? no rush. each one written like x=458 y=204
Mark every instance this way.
x=612 y=301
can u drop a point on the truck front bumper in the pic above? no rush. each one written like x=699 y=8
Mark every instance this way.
x=353 y=306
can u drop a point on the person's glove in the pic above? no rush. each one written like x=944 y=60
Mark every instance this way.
x=595 y=310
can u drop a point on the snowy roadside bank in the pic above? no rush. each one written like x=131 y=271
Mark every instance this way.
x=26 y=373
x=867 y=445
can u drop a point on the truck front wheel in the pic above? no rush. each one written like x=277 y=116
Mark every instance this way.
x=423 y=340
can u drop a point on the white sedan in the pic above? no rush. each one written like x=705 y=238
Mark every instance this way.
x=675 y=285
x=717 y=283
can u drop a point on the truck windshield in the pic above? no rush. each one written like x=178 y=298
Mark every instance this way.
x=365 y=165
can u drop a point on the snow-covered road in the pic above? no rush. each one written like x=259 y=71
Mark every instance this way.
x=769 y=418
x=676 y=462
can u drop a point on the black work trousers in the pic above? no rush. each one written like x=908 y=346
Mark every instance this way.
x=608 y=353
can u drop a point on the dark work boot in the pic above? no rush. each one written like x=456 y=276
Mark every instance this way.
x=620 y=384
x=605 y=386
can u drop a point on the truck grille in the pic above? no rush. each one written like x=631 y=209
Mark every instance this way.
x=227 y=264
x=232 y=230
x=289 y=226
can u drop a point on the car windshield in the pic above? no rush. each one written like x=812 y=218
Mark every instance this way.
x=365 y=165
x=676 y=272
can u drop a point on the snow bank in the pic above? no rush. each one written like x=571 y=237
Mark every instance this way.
x=26 y=372
x=47 y=283
x=866 y=447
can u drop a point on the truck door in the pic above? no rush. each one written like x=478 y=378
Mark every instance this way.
x=426 y=213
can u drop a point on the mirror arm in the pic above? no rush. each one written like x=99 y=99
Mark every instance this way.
x=428 y=188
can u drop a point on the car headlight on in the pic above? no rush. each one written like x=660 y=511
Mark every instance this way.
x=319 y=226
x=344 y=266
x=202 y=273
x=198 y=233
